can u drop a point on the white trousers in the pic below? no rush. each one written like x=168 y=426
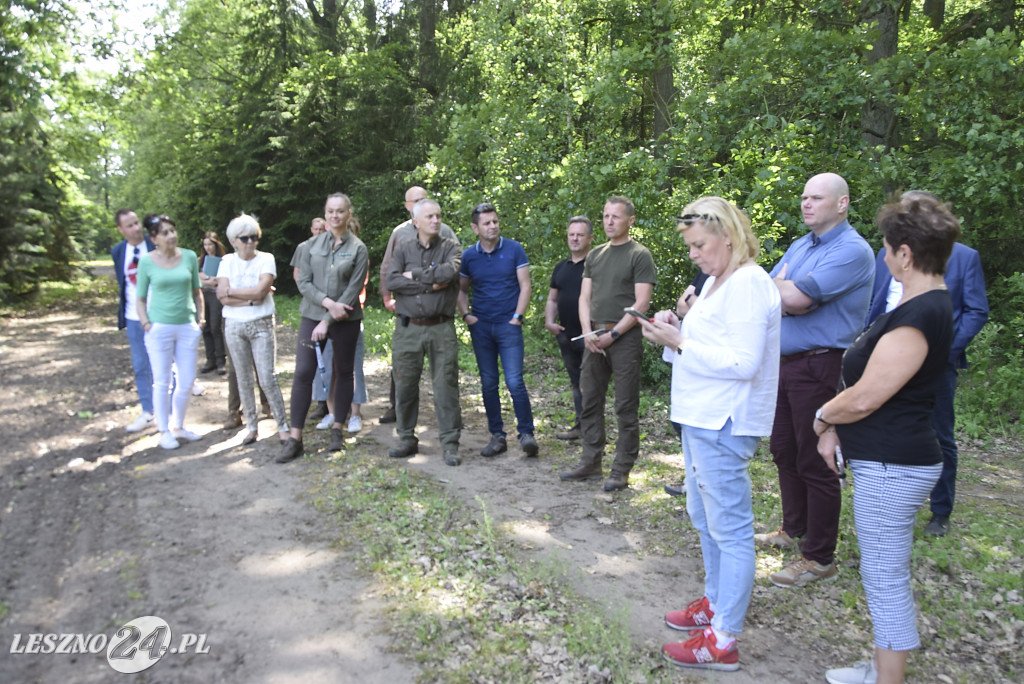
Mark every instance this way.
x=172 y=346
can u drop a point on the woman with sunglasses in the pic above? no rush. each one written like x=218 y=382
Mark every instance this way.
x=331 y=274
x=170 y=306
x=213 y=331
x=245 y=283
x=724 y=386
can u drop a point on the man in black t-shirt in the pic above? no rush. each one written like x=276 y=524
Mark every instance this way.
x=563 y=306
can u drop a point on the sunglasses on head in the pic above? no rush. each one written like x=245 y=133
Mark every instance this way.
x=690 y=219
x=249 y=238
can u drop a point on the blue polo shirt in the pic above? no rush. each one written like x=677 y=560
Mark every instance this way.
x=836 y=271
x=494 y=279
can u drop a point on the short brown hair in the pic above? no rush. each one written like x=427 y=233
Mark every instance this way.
x=923 y=223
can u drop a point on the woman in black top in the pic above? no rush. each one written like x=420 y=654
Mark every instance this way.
x=882 y=418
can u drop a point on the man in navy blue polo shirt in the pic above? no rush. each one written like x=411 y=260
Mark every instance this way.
x=499 y=273
x=825 y=281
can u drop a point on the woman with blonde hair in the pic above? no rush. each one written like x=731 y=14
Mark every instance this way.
x=724 y=386
x=245 y=282
x=331 y=274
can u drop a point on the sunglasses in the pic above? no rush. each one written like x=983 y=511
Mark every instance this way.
x=249 y=238
x=690 y=219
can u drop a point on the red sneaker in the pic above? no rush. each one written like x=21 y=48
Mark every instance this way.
x=702 y=652
x=697 y=615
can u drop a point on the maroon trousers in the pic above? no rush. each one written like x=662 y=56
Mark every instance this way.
x=811 y=497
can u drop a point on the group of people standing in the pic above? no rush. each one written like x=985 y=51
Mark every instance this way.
x=841 y=357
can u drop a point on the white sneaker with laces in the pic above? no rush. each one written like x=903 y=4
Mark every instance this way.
x=861 y=673
x=197 y=389
x=187 y=435
x=167 y=441
x=326 y=423
x=355 y=424
x=144 y=421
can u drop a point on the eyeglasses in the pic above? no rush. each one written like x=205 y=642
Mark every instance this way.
x=135 y=257
x=690 y=219
x=249 y=238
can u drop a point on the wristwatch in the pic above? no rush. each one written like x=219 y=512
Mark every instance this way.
x=517 y=317
x=817 y=416
x=614 y=333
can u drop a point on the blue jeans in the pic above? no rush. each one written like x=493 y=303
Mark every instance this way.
x=944 y=422
x=140 y=364
x=491 y=340
x=718 y=501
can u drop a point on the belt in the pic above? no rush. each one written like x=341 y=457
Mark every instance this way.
x=786 y=358
x=430 y=321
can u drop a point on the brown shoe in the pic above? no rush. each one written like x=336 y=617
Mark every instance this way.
x=404 y=450
x=571 y=434
x=584 y=471
x=234 y=420
x=616 y=481
x=337 y=441
x=290 y=451
x=776 y=539
x=802 y=572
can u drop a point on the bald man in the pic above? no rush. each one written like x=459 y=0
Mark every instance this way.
x=825 y=281
x=402 y=231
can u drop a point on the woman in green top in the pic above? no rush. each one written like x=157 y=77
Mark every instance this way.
x=170 y=304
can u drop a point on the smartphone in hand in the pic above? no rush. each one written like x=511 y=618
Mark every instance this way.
x=633 y=312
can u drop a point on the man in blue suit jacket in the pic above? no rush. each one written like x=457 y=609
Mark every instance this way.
x=126 y=255
x=966 y=284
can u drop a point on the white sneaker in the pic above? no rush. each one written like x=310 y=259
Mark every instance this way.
x=861 y=673
x=144 y=421
x=355 y=424
x=326 y=423
x=187 y=435
x=197 y=389
x=167 y=441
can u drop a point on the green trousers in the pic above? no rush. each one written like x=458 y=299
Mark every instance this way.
x=409 y=347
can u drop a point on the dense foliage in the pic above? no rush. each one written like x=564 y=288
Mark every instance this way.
x=544 y=107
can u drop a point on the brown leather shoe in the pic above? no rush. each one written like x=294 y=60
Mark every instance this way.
x=234 y=420
x=584 y=471
x=616 y=481
x=404 y=450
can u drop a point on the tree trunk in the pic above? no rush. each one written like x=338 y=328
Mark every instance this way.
x=878 y=117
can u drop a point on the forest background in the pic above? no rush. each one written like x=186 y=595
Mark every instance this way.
x=544 y=107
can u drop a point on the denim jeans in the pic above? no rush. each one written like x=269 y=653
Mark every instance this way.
x=718 y=501
x=944 y=422
x=140 y=364
x=505 y=340
x=172 y=345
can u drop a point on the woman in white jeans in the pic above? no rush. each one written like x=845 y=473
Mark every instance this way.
x=170 y=306
x=245 y=282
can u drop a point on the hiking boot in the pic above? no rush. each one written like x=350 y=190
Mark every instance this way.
x=697 y=615
x=389 y=416
x=802 y=572
x=403 y=450
x=616 y=481
x=319 y=412
x=861 y=673
x=528 y=445
x=778 y=539
x=572 y=433
x=234 y=420
x=496 y=446
x=702 y=652
x=676 y=489
x=451 y=457
x=291 y=449
x=938 y=526
x=337 y=440
x=583 y=471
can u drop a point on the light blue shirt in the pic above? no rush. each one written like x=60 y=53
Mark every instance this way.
x=836 y=271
